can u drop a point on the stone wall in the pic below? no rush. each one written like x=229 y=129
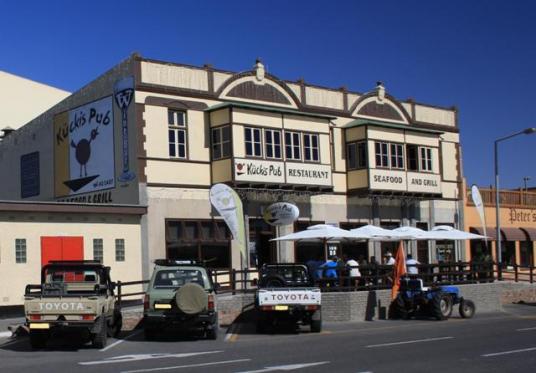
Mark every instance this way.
x=370 y=305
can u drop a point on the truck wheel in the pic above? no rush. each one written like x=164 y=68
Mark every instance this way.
x=316 y=322
x=38 y=339
x=100 y=338
x=115 y=328
x=446 y=305
x=212 y=333
x=435 y=306
x=467 y=309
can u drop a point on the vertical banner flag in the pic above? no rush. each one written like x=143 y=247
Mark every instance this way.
x=399 y=269
x=477 y=200
x=229 y=206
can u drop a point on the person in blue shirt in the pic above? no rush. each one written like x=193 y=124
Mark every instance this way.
x=330 y=268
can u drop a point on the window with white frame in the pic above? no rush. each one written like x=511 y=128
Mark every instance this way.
x=292 y=145
x=397 y=156
x=272 y=142
x=177 y=133
x=119 y=250
x=426 y=159
x=382 y=154
x=98 y=249
x=20 y=250
x=253 y=141
x=356 y=155
x=310 y=147
x=221 y=142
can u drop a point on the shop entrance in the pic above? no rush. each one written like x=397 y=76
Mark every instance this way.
x=261 y=249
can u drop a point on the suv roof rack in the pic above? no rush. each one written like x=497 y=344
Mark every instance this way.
x=173 y=262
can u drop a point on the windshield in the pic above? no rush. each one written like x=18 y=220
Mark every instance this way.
x=175 y=278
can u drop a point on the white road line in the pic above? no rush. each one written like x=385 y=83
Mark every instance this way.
x=5 y=334
x=524 y=329
x=510 y=352
x=120 y=341
x=408 y=342
x=138 y=357
x=286 y=368
x=187 y=366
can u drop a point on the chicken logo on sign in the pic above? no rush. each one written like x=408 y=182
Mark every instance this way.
x=83 y=148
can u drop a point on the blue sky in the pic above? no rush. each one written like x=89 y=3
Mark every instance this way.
x=477 y=55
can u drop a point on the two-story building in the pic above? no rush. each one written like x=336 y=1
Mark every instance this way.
x=159 y=134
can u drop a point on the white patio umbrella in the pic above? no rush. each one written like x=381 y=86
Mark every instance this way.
x=445 y=232
x=374 y=233
x=320 y=232
x=411 y=233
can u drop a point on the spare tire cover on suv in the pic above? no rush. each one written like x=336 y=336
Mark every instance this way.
x=191 y=298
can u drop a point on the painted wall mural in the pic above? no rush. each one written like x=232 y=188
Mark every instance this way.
x=84 y=149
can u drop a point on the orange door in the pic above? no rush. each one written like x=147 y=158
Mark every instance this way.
x=61 y=248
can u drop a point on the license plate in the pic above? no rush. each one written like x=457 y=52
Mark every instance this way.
x=41 y=325
x=281 y=308
x=162 y=306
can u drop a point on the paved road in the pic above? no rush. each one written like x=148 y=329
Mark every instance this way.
x=503 y=342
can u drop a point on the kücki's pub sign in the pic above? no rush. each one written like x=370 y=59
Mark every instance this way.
x=282 y=172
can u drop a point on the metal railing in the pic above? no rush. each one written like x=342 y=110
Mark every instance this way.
x=373 y=277
x=508 y=198
x=120 y=285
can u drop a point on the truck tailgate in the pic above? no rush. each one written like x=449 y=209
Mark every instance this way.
x=302 y=296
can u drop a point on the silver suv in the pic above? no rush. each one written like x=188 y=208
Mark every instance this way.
x=181 y=296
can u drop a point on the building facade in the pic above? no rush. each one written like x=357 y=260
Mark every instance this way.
x=22 y=99
x=517 y=211
x=159 y=134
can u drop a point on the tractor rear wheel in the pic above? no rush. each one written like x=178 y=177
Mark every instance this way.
x=467 y=308
x=435 y=306
x=399 y=310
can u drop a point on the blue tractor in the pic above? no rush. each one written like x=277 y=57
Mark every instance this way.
x=437 y=302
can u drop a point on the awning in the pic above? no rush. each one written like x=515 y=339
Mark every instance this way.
x=490 y=232
x=507 y=234
x=513 y=234
x=531 y=233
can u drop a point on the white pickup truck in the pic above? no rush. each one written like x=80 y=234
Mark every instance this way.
x=285 y=293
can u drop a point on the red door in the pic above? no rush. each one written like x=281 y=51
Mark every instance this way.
x=61 y=248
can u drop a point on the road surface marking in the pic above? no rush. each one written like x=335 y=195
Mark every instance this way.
x=120 y=341
x=408 y=342
x=286 y=367
x=187 y=366
x=524 y=329
x=138 y=357
x=5 y=334
x=510 y=352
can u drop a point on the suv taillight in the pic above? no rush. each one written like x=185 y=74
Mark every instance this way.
x=146 y=302
x=211 y=302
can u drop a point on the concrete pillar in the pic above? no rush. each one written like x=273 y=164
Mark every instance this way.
x=286 y=248
x=375 y=248
x=432 y=253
